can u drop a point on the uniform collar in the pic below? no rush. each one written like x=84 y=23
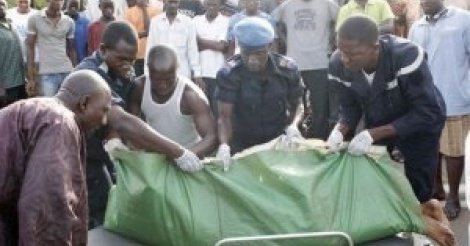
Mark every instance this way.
x=114 y=78
x=271 y=68
x=99 y=60
x=273 y=65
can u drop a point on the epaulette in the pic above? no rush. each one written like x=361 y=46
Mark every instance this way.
x=232 y=63
x=287 y=62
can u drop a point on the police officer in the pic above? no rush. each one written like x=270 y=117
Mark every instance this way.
x=387 y=80
x=258 y=92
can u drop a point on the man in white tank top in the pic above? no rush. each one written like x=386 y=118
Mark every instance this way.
x=172 y=104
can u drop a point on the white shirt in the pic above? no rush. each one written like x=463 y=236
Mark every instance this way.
x=19 y=22
x=447 y=45
x=181 y=34
x=211 y=61
x=369 y=77
x=309 y=26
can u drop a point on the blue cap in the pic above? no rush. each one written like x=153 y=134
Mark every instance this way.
x=253 y=33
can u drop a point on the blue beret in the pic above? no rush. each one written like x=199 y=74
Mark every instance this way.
x=253 y=33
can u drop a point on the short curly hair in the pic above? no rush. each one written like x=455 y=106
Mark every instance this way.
x=359 y=28
x=116 y=31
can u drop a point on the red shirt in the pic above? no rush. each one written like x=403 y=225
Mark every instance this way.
x=95 y=31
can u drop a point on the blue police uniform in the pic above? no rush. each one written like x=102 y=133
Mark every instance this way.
x=402 y=94
x=260 y=103
x=98 y=162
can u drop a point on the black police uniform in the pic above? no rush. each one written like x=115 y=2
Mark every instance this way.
x=260 y=103
x=99 y=166
x=402 y=94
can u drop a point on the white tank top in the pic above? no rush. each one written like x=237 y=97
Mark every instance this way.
x=166 y=118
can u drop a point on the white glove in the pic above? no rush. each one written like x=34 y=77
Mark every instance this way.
x=223 y=154
x=292 y=134
x=112 y=145
x=189 y=162
x=335 y=140
x=361 y=143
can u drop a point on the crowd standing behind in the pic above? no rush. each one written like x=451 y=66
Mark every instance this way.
x=214 y=80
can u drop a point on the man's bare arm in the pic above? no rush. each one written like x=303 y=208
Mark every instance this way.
x=71 y=52
x=230 y=49
x=225 y=122
x=30 y=56
x=206 y=44
x=383 y=132
x=141 y=135
x=203 y=120
x=135 y=99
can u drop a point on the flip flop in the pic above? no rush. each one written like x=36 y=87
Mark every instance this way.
x=452 y=209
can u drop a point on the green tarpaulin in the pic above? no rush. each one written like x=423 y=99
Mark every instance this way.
x=266 y=191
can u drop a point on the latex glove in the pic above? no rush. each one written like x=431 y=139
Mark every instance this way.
x=223 y=154
x=112 y=145
x=335 y=140
x=189 y=162
x=292 y=133
x=361 y=143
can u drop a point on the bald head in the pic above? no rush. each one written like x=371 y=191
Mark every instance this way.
x=84 y=82
x=162 y=57
x=88 y=95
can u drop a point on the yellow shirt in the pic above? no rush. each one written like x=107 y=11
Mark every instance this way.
x=377 y=10
x=135 y=17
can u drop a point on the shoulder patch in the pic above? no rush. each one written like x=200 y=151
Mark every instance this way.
x=233 y=62
x=287 y=62
x=229 y=65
